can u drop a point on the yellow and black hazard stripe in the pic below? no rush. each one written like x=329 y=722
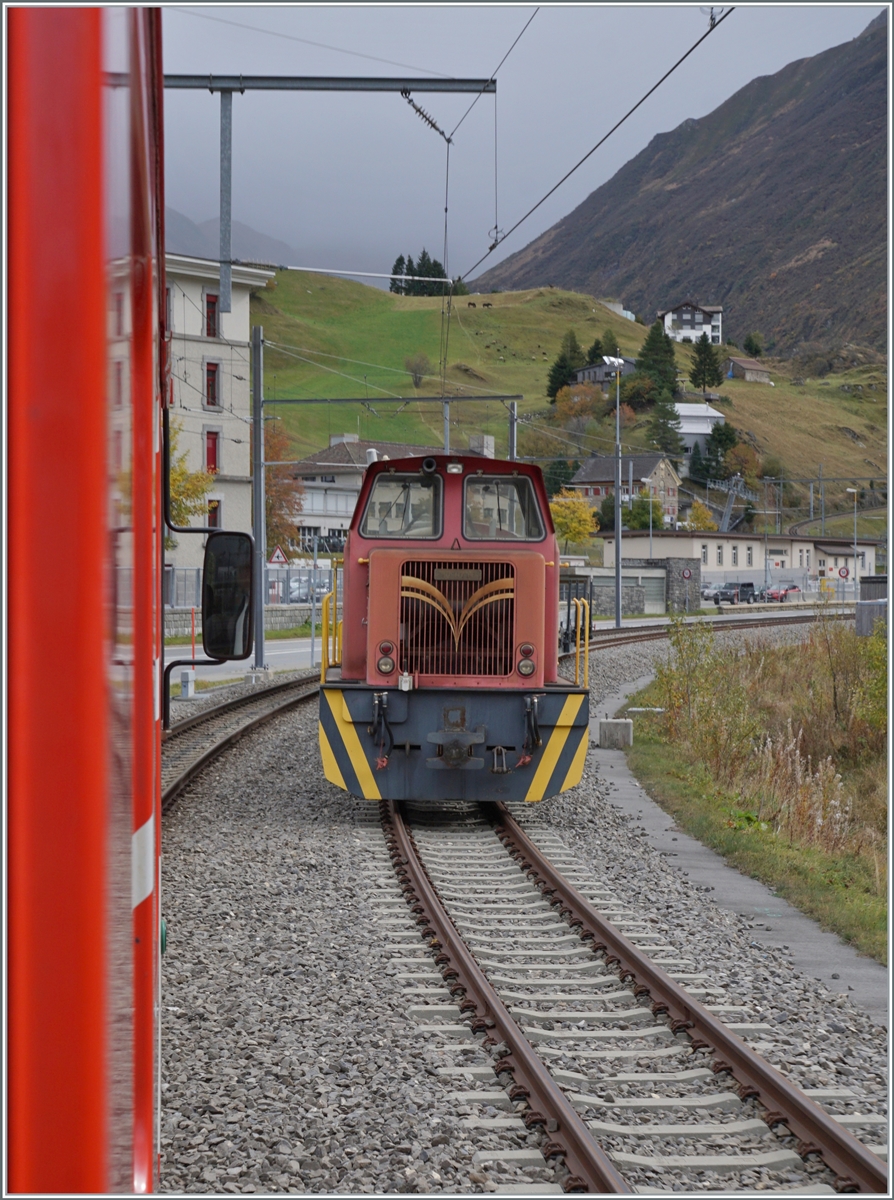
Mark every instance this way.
x=560 y=764
x=344 y=760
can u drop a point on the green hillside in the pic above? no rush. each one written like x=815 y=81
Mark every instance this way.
x=335 y=338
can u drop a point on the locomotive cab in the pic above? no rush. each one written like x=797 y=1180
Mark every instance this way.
x=448 y=687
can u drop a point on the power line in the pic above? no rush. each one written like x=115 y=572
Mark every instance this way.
x=616 y=126
x=291 y=37
x=494 y=73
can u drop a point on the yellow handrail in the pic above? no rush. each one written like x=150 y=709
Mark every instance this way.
x=582 y=616
x=324 y=632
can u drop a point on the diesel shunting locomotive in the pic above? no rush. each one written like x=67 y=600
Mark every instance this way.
x=444 y=687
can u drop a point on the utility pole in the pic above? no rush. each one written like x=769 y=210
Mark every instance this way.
x=617 y=366
x=822 y=501
x=258 y=503
x=513 y=430
x=224 y=299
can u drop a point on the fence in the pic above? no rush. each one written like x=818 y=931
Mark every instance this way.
x=182 y=586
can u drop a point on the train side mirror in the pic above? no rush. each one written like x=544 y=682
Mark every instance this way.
x=227 y=595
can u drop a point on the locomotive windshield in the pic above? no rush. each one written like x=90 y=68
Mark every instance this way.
x=502 y=507
x=403 y=506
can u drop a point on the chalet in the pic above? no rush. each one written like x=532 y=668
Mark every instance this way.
x=641 y=475
x=748 y=369
x=599 y=372
x=688 y=320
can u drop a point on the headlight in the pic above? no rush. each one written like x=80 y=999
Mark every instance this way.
x=385 y=665
x=526 y=667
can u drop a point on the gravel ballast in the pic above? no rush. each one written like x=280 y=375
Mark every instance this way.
x=290 y=1062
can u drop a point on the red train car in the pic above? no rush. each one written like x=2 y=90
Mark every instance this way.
x=85 y=381
x=447 y=691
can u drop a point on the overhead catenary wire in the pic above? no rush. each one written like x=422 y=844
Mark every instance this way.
x=291 y=37
x=602 y=140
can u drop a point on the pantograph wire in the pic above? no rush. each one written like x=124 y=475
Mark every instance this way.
x=616 y=126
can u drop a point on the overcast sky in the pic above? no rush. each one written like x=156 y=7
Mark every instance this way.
x=351 y=180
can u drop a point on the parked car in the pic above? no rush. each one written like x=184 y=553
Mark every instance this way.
x=783 y=591
x=734 y=593
x=301 y=591
x=709 y=591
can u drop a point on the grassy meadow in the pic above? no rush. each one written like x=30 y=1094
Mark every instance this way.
x=329 y=338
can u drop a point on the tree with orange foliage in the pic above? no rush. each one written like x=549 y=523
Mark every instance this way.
x=742 y=460
x=283 y=493
x=578 y=400
x=574 y=519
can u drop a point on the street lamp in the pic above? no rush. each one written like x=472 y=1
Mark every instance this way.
x=616 y=363
x=855 y=493
x=649 y=485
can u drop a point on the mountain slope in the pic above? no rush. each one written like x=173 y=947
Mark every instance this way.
x=774 y=205
x=183 y=236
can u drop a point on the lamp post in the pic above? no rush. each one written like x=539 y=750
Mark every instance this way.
x=649 y=485
x=855 y=493
x=616 y=362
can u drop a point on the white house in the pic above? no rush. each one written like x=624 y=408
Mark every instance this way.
x=688 y=320
x=210 y=385
x=696 y=423
x=814 y=563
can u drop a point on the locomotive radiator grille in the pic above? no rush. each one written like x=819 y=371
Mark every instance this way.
x=457 y=618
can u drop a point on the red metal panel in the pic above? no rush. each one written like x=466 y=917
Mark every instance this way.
x=145 y=534
x=58 y=770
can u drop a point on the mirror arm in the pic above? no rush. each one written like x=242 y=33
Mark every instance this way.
x=166 y=681
x=166 y=482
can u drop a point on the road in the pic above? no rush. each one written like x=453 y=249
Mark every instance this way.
x=290 y=654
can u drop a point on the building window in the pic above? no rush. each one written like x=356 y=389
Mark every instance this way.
x=705 y=555
x=212 y=385
x=735 y=556
x=821 y=562
x=836 y=562
x=808 y=560
x=117 y=383
x=169 y=312
x=212 y=451
x=211 y=316
x=800 y=558
x=118 y=301
x=862 y=560
x=214 y=514
x=749 y=556
x=720 y=556
x=327 y=479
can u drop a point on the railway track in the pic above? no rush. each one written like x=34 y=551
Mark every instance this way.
x=606 y=1039
x=615 y=1063
x=190 y=745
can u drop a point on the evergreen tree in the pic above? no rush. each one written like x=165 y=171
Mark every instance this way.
x=706 y=371
x=572 y=348
x=752 y=345
x=399 y=268
x=558 y=475
x=560 y=374
x=721 y=438
x=610 y=342
x=665 y=427
x=656 y=358
x=595 y=353
x=410 y=284
x=607 y=514
x=697 y=464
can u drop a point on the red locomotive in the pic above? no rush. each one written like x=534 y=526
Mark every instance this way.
x=448 y=689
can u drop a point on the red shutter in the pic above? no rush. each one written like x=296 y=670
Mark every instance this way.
x=210 y=316
x=211 y=396
x=211 y=447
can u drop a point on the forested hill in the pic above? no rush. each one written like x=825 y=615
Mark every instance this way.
x=774 y=205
